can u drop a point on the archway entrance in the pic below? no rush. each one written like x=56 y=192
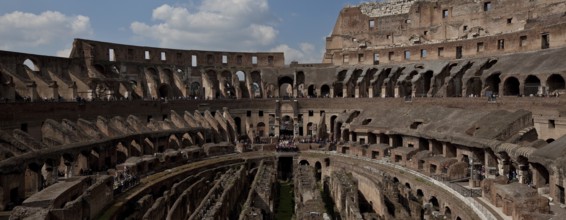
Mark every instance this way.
x=325 y=91
x=164 y=91
x=511 y=87
x=286 y=87
x=287 y=126
x=492 y=83
x=532 y=85
x=555 y=82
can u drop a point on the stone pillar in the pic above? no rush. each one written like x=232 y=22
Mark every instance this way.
x=370 y=92
x=331 y=92
x=537 y=178
x=391 y=141
x=345 y=91
x=74 y=92
x=383 y=91
x=32 y=91
x=357 y=91
x=396 y=92
x=503 y=166
x=523 y=174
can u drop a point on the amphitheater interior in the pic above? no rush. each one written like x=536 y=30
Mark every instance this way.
x=419 y=109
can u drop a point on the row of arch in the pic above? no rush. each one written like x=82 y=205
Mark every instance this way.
x=431 y=203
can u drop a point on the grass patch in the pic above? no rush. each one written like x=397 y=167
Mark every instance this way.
x=286 y=205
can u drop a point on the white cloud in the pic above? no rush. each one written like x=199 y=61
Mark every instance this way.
x=64 y=52
x=305 y=54
x=212 y=25
x=26 y=31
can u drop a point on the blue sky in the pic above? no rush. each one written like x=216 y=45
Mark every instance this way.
x=295 y=27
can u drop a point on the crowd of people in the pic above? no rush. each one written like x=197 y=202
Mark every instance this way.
x=286 y=143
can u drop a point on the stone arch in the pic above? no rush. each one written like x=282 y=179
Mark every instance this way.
x=122 y=153
x=492 y=83
x=407 y=185
x=187 y=140
x=420 y=194
x=555 y=82
x=164 y=91
x=332 y=123
x=33 y=180
x=81 y=164
x=211 y=84
x=173 y=142
x=325 y=91
x=285 y=86
x=241 y=76
x=309 y=129
x=304 y=162
x=311 y=91
x=260 y=129
x=532 y=85
x=474 y=87
x=550 y=140
x=256 y=83
x=287 y=126
x=194 y=89
x=511 y=87
x=435 y=203
x=136 y=149
x=152 y=79
x=318 y=170
x=227 y=84
x=447 y=213
x=338 y=90
x=425 y=83
x=31 y=64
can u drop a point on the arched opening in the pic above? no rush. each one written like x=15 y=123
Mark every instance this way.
x=121 y=153
x=287 y=126
x=532 y=86
x=311 y=91
x=285 y=87
x=195 y=90
x=152 y=79
x=473 y=87
x=395 y=180
x=260 y=129
x=447 y=213
x=435 y=204
x=550 y=140
x=256 y=84
x=309 y=129
x=325 y=91
x=425 y=84
x=511 y=87
x=164 y=91
x=346 y=135
x=238 y=122
x=301 y=90
x=241 y=76
x=338 y=91
x=492 y=83
x=304 y=163
x=420 y=194
x=256 y=90
x=555 y=82
x=407 y=185
x=318 y=169
x=31 y=65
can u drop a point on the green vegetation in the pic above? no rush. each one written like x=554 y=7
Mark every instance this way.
x=286 y=205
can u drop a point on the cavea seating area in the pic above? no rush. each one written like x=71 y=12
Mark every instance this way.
x=419 y=109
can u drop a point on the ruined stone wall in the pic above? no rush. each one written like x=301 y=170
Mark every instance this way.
x=383 y=28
